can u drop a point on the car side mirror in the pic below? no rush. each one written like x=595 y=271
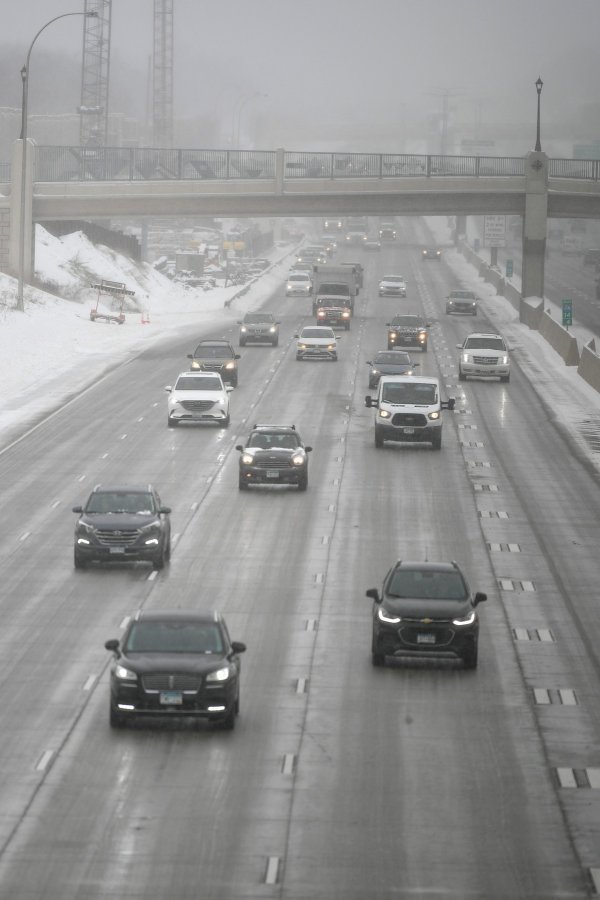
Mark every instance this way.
x=369 y=402
x=373 y=593
x=369 y=363
x=168 y=389
x=229 y=388
x=113 y=645
x=190 y=356
x=239 y=447
x=164 y=510
x=78 y=509
x=448 y=404
x=459 y=346
x=237 y=356
x=238 y=646
x=307 y=449
x=480 y=597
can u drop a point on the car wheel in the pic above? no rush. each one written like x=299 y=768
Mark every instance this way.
x=461 y=375
x=303 y=483
x=298 y=358
x=437 y=441
x=228 y=723
x=378 y=439
x=78 y=561
x=470 y=657
x=505 y=378
x=172 y=423
x=116 y=721
x=242 y=484
x=158 y=561
x=475 y=312
x=234 y=382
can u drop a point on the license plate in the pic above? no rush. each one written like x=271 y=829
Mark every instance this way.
x=117 y=550
x=272 y=473
x=426 y=639
x=408 y=430
x=171 y=698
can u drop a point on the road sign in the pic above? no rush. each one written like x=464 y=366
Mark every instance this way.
x=567 y=313
x=509 y=268
x=494 y=231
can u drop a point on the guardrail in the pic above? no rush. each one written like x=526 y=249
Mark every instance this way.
x=149 y=164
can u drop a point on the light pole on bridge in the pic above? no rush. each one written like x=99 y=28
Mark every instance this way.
x=538 y=86
x=25 y=82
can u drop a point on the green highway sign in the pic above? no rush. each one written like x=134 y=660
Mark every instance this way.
x=567 y=313
x=509 y=268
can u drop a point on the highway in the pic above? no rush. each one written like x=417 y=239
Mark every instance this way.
x=341 y=780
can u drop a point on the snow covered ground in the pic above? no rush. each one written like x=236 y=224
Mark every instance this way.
x=53 y=349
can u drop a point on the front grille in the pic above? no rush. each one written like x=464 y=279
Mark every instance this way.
x=485 y=360
x=416 y=420
x=165 y=682
x=409 y=634
x=272 y=463
x=197 y=405
x=211 y=367
x=122 y=537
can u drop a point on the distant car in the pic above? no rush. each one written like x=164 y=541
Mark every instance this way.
x=389 y=362
x=432 y=253
x=122 y=523
x=387 y=233
x=198 y=397
x=461 y=302
x=316 y=342
x=175 y=662
x=273 y=454
x=216 y=356
x=372 y=244
x=392 y=286
x=425 y=609
x=299 y=284
x=259 y=328
x=408 y=331
x=483 y=355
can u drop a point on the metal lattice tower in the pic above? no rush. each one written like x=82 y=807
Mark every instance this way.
x=162 y=85
x=93 y=110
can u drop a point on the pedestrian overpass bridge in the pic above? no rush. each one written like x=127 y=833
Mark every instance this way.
x=105 y=182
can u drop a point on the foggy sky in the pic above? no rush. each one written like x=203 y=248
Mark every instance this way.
x=339 y=65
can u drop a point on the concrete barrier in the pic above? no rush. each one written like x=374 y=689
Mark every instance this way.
x=589 y=365
x=530 y=312
x=560 y=339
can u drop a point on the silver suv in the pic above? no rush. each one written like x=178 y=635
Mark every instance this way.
x=259 y=327
x=484 y=354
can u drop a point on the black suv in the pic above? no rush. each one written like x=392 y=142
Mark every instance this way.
x=259 y=327
x=175 y=662
x=425 y=608
x=408 y=331
x=273 y=454
x=216 y=356
x=122 y=523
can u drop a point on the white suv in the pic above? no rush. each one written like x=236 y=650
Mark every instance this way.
x=484 y=354
x=198 y=397
x=316 y=342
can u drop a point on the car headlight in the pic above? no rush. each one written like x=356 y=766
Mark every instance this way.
x=301 y=346
x=392 y=336
x=433 y=415
x=243 y=329
x=298 y=459
x=466 y=358
x=345 y=314
x=272 y=329
x=422 y=335
x=331 y=346
x=384 y=414
x=247 y=459
x=84 y=528
x=196 y=364
x=387 y=617
x=220 y=674
x=504 y=360
x=375 y=372
x=124 y=674
x=465 y=620
x=230 y=365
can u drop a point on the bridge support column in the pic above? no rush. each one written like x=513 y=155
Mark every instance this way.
x=15 y=213
x=460 y=228
x=534 y=224
x=279 y=169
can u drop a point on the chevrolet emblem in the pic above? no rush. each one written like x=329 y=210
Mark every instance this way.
x=426 y=621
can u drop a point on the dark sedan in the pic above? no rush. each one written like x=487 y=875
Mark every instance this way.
x=175 y=662
x=389 y=362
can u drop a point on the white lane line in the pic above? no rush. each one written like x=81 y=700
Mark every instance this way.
x=566 y=778
x=289 y=764
x=301 y=686
x=567 y=697
x=44 y=760
x=25 y=535
x=90 y=682
x=272 y=870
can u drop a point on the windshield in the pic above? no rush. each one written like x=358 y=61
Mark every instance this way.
x=394 y=278
x=189 y=383
x=425 y=585
x=299 y=278
x=462 y=295
x=271 y=441
x=485 y=344
x=394 y=358
x=409 y=393
x=257 y=318
x=326 y=333
x=132 y=502
x=408 y=321
x=209 y=352
x=174 y=637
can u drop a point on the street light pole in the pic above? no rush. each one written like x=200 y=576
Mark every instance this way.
x=538 y=86
x=243 y=104
x=25 y=83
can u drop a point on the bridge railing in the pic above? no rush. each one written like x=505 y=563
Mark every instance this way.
x=151 y=164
